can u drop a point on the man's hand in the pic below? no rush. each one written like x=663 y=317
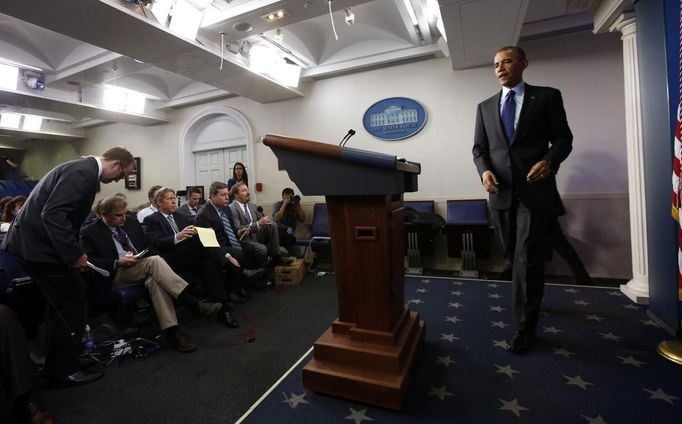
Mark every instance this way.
x=186 y=232
x=286 y=200
x=81 y=263
x=126 y=262
x=539 y=171
x=234 y=261
x=264 y=220
x=489 y=181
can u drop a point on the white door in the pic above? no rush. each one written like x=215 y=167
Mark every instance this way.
x=216 y=165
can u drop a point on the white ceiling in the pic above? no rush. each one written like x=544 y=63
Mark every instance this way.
x=81 y=45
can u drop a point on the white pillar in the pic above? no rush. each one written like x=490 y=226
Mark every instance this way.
x=636 y=289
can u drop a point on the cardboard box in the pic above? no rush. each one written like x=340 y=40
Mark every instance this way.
x=290 y=275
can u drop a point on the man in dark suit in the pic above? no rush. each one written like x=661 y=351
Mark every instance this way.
x=112 y=242
x=172 y=235
x=521 y=137
x=257 y=233
x=191 y=207
x=215 y=214
x=44 y=235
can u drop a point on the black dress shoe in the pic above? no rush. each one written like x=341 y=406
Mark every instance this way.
x=236 y=298
x=244 y=293
x=78 y=378
x=521 y=341
x=86 y=361
x=180 y=342
x=228 y=319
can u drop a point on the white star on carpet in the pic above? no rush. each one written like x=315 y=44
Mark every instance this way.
x=453 y=319
x=563 y=352
x=358 y=416
x=415 y=301
x=499 y=324
x=578 y=381
x=596 y=420
x=581 y=302
x=500 y=343
x=629 y=360
x=422 y=290
x=650 y=322
x=457 y=283
x=507 y=370
x=544 y=313
x=571 y=290
x=594 y=317
x=633 y=307
x=610 y=336
x=512 y=406
x=493 y=285
x=445 y=360
x=449 y=337
x=426 y=281
x=454 y=305
x=552 y=330
x=614 y=293
x=495 y=296
x=660 y=394
x=456 y=293
x=440 y=392
x=497 y=308
x=294 y=400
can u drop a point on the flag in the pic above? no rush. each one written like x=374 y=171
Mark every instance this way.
x=677 y=192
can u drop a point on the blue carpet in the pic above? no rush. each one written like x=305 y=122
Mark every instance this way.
x=595 y=362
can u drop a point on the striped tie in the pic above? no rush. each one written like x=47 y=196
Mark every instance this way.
x=172 y=223
x=228 y=230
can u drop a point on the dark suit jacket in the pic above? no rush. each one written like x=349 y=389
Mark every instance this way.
x=159 y=234
x=239 y=220
x=184 y=210
x=208 y=218
x=98 y=243
x=46 y=228
x=542 y=132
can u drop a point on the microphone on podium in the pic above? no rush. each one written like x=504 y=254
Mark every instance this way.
x=344 y=140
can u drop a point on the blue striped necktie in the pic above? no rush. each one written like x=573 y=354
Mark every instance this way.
x=228 y=230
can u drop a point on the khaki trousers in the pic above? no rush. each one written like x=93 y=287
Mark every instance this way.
x=161 y=281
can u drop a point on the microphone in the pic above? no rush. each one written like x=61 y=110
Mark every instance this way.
x=351 y=133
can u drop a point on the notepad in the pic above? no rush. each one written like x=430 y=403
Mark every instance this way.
x=207 y=237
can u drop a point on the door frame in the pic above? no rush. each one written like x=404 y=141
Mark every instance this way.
x=188 y=140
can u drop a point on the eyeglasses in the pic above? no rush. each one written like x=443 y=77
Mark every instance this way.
x=122 y=173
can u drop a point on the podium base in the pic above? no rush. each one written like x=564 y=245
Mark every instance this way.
x=373 y=373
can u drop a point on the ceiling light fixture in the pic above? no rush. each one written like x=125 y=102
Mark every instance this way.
x=10 y=120
x=9 y=75
x=350 y=16
x=32 y=123
x=275 y=16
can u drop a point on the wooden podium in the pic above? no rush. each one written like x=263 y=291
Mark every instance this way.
x=368 y=353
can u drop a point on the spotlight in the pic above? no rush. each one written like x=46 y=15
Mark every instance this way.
x=278 y=37
x=350 y=16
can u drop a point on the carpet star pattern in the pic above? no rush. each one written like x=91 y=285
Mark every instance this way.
x=630 y=306
x=512 y=406
x=562 y=352
x=649 y=322
x=578 y=381
x=358 y=416
x=453 y=319
x=610 y=336
x=449 y=337
x=506 y=370
x=593 y=358
x=581 y=302
x=594 y=317
x=294 y=400
x=661 y=395
x=445 y=360
x=440 y=392
x=629 y=360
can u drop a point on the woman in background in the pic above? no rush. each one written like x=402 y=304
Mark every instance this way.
x=239 y=175
x=11 y=210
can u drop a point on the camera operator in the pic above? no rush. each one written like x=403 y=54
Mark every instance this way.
x=287 y=213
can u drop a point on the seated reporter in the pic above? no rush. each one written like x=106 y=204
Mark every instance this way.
x=215 y=214
x=111 y=242
x=172 y=235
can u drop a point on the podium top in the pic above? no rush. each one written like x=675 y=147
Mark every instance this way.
x=345 y=154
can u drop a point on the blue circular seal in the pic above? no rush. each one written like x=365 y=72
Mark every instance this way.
x=395 y=118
